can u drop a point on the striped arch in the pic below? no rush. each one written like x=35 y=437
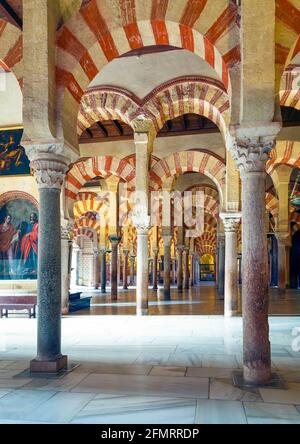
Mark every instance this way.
x=272 y=205
x=105 y=104
x=100 y=33
x=289 y=93
x=189 y=161
x=86 y=170
x=90 y=233
x=183 y=95
x=88 y=202
x=211 y=198
x=11 y=49
x=286 y=153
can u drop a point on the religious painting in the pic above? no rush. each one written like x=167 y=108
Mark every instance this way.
x=19 y=223
x=13 y=160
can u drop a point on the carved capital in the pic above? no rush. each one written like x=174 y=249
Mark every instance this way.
x=49 y=173
x=230 y=222
x=141 y=223
x=251 y=155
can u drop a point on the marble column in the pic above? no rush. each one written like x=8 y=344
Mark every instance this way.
x=141 y=219
x=142 y=271
x=192 y=257
x=125 y=269
x=284 y=242
x=132 y=260
x=186 y=273
x=66 y=246
x=49 y=172
x=155 y=263
x=251 y=156
x=96 y=270
x=231 y=223
x=179 y=269
x=114 y=240
x=103 y=270
x=167 y=267
x=221 y=265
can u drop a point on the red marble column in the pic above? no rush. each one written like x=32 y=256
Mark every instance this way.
x=251 y=156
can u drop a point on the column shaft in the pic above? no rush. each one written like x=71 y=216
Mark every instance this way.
x=167 y=270
x=179 y=270
x=257 y=360
x=186 y=269
x=103 y=271
x=142 y=273
x=125 y=270
x=154 y=277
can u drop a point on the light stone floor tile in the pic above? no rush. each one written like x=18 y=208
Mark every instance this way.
x=149 y=358
x=63 y=384
x=4 y=392
x=218 y=361
x=145 y=385
x=223 y=389
x=14 y=383
x=17 y=404
x=287 y=363
x=185 y=359
x=124 y=369
x=203 y=372
x=168 y=371
x=290 y=396
x=263 y=413
x=219 y=412
x=137 y=410
x=60 y=408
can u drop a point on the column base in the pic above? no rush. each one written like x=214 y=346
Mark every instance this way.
x=142 y=312
x=65 y=311
x=55 y=366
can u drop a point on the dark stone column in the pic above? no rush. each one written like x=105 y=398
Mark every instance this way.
x=221 y=264
x=49 y=173
x=103 y=270
x=251 y=157
x=192 y=270
x=96 y=270
x=179 y=270
x=154 y=277
x=186 y=273
x=132 y=260
x=167 y=268
x=125 y=269
x=114 y=240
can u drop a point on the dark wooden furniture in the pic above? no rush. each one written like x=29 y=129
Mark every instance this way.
x=27 y=302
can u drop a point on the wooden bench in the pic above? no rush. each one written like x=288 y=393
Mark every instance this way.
x=27 y=302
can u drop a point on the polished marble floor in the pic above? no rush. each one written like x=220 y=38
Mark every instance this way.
x=156 y=369
x=199 y=300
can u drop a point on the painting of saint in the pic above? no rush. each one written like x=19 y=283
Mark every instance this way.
x=8 y=239
x=13 y=160
x=29 y=245
x=18 y=240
